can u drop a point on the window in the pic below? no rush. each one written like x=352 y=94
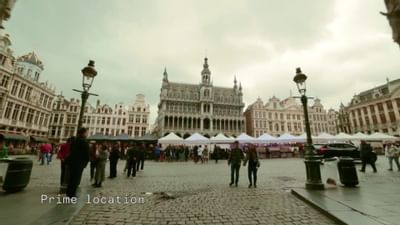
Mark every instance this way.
x=130 y=118
x=136 y=134
x=3 y=59
x=108 y=120
x=389 y=105
x=123 y=121
x=138 y=117
x=7 y=113
x=4 y=81
x=21 y=91
x=23 y=112
x=143 y=131
x=103 y=120
x=14 y=88
x=29 y=118
x=15 y=112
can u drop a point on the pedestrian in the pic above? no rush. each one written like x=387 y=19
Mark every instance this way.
x=3 y=147
x=216 y=153
x=64 y=152
x=200 y=153
x=45 y=150
x=205 y=154
x=131 y=161
x=157 y=152
x=100 y=166
x=254 y=162
x=141 y=151
x=392 y=153
x=195 y=154
x=93 y=159
x=114 y=156
x=235 y=159
x=366 y=156
x=77 y=161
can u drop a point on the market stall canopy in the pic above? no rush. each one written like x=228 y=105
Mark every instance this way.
x=360 y=136
x=196 y=139
x=147 y=138
x=286 y=137
x=244 y=138
x=343 y=137
x=98 y=137
x=11 y=136
x=381 y=137
x=39 y=139
x=325 y=137
x=171 y=138
x=303 y=138
x=122 y=137
x=266 y=138
x=222 y=139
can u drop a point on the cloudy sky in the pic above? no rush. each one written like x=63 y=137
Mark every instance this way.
x=343 y=46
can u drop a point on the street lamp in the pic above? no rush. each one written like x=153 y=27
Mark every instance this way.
x=312 y=160
x=5 y=10
x=88 y=75
x=393 y=16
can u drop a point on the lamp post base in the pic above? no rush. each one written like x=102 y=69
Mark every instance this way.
x=313 y=173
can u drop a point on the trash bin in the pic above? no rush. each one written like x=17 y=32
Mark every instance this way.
x=330 y=172
x=347 y=172
x=17 y=174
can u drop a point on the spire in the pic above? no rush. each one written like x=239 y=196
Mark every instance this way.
x=165 y=74
x=235 y=83
x=240 y=86
x=205 y=67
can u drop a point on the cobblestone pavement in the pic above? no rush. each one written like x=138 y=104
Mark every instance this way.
x=188 y=193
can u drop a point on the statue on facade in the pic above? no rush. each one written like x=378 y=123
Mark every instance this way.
x=393 y=15
x=5 y=10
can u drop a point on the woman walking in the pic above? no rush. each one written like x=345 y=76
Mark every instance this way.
x=392 y=153
x=254 y=162
x=101 y=166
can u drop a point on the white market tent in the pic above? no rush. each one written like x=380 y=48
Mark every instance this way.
x=222 y=139
x=303 y=137
x=360 y=136
x=266 y=138
x=381 y=137
x=286 y=137
x=171 y=138
x=343 y=137
x=196 y=139
x=244 y=138
x=325 y=137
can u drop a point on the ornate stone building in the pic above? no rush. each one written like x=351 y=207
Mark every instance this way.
x=376 y=110
x=277 y=117
x=203 y=108
x=104 y=119
x=25 y=101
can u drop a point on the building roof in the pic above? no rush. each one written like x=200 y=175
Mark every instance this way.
x=31 y=58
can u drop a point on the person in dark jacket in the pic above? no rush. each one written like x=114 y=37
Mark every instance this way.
x=77 y=161
x=253 y=158
x=366 y=156
x=93 y=159
x=141 y=151
x=235 y=159
x=131 y=160
x=114 y=156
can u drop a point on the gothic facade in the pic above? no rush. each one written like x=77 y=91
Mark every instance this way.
x=204 y=108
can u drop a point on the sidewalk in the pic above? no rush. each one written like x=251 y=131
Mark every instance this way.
x=25 y=208
x=374 y=202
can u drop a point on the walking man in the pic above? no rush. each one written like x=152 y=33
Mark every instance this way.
x=114 y=156
x=131 y=160
x=235 y=159
x=392 y=153
x=141 y=155
x=77 y=161
x=367 y=156
x=254 y=162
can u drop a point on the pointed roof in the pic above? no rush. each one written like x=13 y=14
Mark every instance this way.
x=266 y=138
x=221 y=138
x=244 y=138
x=171 y=138
x=165 y=74
x=205 y=70
x=197 y=138
x=31 y=58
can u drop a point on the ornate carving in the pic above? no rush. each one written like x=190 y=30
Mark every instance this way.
x=393 y=15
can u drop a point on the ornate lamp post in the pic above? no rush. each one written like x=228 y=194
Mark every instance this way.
x=89 y=73
x=393 y=15
x=312 y=160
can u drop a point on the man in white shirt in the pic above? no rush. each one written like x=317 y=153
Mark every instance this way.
x=200 y=153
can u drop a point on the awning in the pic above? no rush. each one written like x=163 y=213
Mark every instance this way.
x=39 y=139
x=11 y=136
